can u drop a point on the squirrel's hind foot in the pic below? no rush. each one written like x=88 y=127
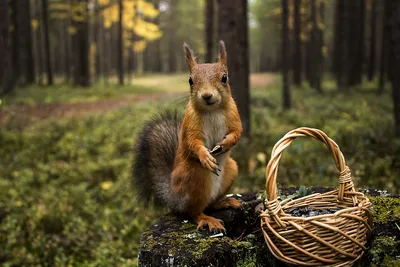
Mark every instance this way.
x=229 y=202
x=214 y=225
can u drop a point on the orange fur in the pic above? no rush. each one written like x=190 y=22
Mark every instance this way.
x=191 y=177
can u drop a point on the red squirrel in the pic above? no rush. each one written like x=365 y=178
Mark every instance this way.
x=187 y=164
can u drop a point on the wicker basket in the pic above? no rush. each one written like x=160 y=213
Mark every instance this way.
x=336 y=239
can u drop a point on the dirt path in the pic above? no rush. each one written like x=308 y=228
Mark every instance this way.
x=24 y=115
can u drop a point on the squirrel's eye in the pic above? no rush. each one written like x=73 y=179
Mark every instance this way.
x=224 y=78
x=190 y=81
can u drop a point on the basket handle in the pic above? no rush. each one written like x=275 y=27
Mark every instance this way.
x=345 y=180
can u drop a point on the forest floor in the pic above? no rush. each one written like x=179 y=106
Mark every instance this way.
x=66 y=183
x=24 y=110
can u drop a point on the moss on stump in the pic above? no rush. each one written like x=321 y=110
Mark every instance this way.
x=175 y=241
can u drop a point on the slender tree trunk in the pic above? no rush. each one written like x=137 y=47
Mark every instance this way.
x=315 y=55
x=25 y=32
x=395 y=61
x=45 y=17
x=384 y=48
x=6 y=77
x=361 y=42
x=233 y=30
x=372 y=48
x=67 y=53
x=287 y=103
x=120 y=44
x=338 y=34
x=15 y=43
x=107 y=60
x=172 y=45
x=82 y=71
x=209 y=25
x=297 y=44
x=156 y=56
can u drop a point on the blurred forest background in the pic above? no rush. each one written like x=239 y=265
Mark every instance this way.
x=78 y=78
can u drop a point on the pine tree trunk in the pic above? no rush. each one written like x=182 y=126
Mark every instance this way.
x=45 y=18
x=209 y=30
x=82 y=72
x=354 y=39
x=297 y=43
x=172 y=45
x=120 y=44
x=6 y=77
x=233 y=30
x=25 y=33
x=384 y=48
x=395 y=61
x=157 y=43
x=372 y=48
x=338 y=34
x=285 y=56
x=15 y=42
x=315 y=55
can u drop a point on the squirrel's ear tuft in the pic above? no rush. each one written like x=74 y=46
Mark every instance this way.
x=189 y=55
x=222 y=57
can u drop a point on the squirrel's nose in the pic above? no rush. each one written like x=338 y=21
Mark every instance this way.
x=206 y=96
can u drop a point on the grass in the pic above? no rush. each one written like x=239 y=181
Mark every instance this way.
x=66 y=93
x=66 y=187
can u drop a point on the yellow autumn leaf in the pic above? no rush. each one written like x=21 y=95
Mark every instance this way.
x=147 y=30
x=139 y=46
x=147 y=9
x=106 y=185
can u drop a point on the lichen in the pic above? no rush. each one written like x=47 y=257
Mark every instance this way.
x=385 y=209
x=384 y=251
x=249 y=261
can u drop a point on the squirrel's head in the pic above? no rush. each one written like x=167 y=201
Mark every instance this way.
x=209 y=83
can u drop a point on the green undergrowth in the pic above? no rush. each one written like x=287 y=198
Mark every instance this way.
x=66 y=195
x=360 y=122
x=385 y=209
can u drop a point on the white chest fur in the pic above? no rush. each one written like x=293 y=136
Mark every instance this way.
x=214 y=131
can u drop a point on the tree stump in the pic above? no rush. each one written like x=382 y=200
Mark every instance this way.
x=175 y=241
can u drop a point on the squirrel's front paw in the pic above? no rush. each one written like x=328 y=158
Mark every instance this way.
x=225 y=146
x=208 y=161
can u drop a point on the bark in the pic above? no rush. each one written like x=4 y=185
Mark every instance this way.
x=82 y=72
x=297 y=44
x=316 y=50
x=338 y=35
x=172 y=37
x=25 y=33
x=383 y=68
x=233 y=30
x=45 y=18
x=395 y=61
x=67 y=51
x=209 y=30
x=6 y=79
x=156 y=52
x=120 y=44
x=15 y=42
x=372 y=48
x=285 y=56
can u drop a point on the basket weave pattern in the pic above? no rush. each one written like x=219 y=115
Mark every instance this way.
x=336 y=239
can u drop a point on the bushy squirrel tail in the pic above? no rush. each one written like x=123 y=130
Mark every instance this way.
x=154 y=156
